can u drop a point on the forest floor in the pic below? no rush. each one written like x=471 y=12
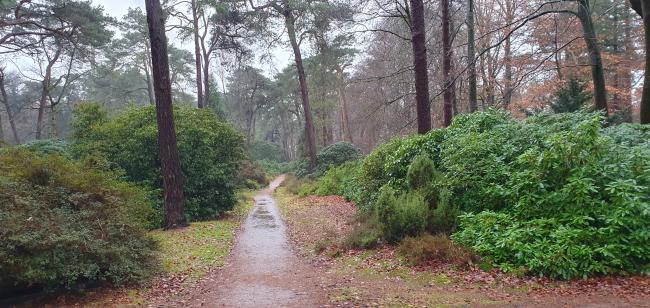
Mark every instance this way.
x=288 y=254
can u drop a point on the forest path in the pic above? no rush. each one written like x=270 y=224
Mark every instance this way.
x=263 y=270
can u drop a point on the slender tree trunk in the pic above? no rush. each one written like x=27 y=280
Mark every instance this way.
x=448 y=95
x=507 y=57
x=471 y=57
x=345 y=121
x=169 y=156
x=2 y=132
x=558 y=57
x=54 y=131
x=5 y=102
x=645 y=98
x=597 y=70
x=507 y=75
x=45 y=92
x=206 y=80
x=626 y=70
x=150 y=93
x=304 y=92
x=197 y=54
x=420 y=65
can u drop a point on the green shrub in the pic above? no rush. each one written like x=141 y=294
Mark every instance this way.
x=401 y=215
x=428 y=247
x=331 y=156
x=629 y=134
x=341 y=180
x=444 y=218
x=560 y=176
x=574 y=205
x=274 y=168
x=336 y=155
x=373 y=174
x=571 y=97
x=299 y=186
x=50 y=146
x=366 y=234
x=399 y=160
x=421 y=173
x=251 y=172
x=65 y=223
x=210 y=152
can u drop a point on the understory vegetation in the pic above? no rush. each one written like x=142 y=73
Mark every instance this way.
x=80 y=212
x=65 y=222
x=556 y=195
x=211 y=152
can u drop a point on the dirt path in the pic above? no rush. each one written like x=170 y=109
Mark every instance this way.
x=263 y=270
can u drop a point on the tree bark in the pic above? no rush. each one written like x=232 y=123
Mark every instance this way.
x=507 y=56
x=45 y=92
x=597 y=70
x=642 y=7
x=2 y=132
x=420 y=65
x=304 y=92
x=345 y=121
x=448 y=95
x=150 y=91
x=206 y=81
x=169 y=156
x=471 y=57
x=5 y=102
x=197 y=54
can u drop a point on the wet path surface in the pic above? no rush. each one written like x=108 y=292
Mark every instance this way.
x=262 y=271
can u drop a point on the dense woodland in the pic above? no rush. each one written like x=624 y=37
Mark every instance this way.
x=357 y=60
x=500 y=124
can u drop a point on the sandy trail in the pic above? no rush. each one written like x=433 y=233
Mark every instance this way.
x=262 y=271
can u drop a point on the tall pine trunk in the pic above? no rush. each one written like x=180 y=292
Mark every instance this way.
x=471 y=57
x=197 y=54
x=420 y=65
x=150 y=94
x=644 y=10
x=345 y=121
x=448 y=96
x=169 y=157
x=206 y=80
x=597 y=69
x=304 y=93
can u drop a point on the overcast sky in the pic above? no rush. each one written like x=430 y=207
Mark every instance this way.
x=118 y=8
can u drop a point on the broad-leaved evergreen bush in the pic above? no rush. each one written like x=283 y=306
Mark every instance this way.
x=330 y=156
x=556 y=195
x=341 y=180
x=210 y=152
x=64 y=222
x=372 y=175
